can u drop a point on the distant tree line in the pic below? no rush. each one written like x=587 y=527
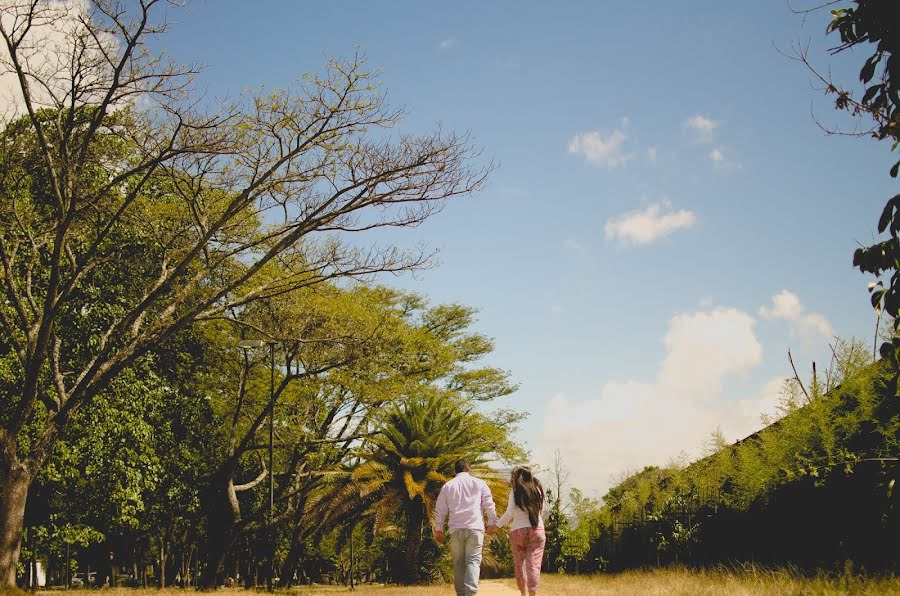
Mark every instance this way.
x=814 y=489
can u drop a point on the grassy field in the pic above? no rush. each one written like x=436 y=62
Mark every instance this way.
x=668 y=582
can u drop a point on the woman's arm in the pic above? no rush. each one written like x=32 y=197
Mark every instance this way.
x=510 y=510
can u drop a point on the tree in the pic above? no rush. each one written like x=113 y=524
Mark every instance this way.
x=576 y=542
x=401 y=469
x=557 y=530
x=129 y=468
x=346 y=352
x=170 y=214
x=557 y=522
x=878 y=22
x=410 y=345
x=875 y=22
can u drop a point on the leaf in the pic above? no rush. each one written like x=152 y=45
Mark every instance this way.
x=413 y=488
x=871 y=92
x=876 y=298
x=894 y=169
x=886 y=215
x=868 y=69
x=891 y=303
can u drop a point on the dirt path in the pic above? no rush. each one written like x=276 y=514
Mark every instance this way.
x=495 y=587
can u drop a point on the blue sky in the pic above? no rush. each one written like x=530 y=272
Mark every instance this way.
x=666 y=220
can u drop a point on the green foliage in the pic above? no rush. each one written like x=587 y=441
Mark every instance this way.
x=121 y=229
x=877 y=23
x=557 y=528
x=139 y=246
x=401 y=467
x=127 y=471
x=576 y=539
x=672 y=535
x=825 y=430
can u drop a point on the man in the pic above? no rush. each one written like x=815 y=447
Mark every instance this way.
x=463 y=499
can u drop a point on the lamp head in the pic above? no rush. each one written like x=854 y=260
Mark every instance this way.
x=246 y=344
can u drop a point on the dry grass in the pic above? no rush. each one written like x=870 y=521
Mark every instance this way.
x=669 y=582
x=666 y=582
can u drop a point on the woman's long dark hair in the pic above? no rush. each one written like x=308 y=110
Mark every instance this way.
x=528 y=494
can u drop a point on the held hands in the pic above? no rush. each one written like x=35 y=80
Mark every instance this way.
x=439 y=534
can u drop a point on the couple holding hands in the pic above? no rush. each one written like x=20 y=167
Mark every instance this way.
x=465 y=500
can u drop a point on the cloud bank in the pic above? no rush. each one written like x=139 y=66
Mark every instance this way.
x=634 y=423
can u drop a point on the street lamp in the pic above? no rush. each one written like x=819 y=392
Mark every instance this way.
x=245 y=345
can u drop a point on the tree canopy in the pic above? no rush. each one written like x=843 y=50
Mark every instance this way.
x=131 y=213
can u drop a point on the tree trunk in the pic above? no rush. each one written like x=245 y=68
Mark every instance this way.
x=292 y=561
x=163 y=556
x=248 y=574
x=13 y=496
x=222 y=514
x=33 y=584
x=413 y=542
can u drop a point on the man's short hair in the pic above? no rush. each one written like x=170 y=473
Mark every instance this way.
x=462 y=466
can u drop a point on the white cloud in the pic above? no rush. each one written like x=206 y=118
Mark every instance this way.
x=651 y=154
x=46 y=53
x=634 y=423
x=696 y=363
x=721 y=162
x=641 y=227
x=602 y=150
x=447 y=43
x=785 y=305
x=574 y=245
x=701 y=128
x=809 y=327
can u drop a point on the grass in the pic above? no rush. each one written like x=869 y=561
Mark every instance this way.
x=747 y=582
x=664 y=582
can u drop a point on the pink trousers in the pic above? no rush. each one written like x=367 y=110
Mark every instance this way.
x=527 y=553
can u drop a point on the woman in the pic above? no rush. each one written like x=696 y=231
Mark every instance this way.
x=527 y=538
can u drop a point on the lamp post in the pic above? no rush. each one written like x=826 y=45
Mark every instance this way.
x=247 y=344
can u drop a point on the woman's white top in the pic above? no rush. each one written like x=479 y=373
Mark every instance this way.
x=518 y=516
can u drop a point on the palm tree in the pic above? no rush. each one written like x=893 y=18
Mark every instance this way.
x=402 y=468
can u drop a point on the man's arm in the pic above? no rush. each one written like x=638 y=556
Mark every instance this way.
x=440 y=515
x=487 y=505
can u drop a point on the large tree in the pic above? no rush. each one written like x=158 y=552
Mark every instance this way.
x=341 y=353
x=172 y=214
x=420 y=346
x=400 y=470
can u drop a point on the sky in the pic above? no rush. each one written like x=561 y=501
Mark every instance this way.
x=667 y=217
